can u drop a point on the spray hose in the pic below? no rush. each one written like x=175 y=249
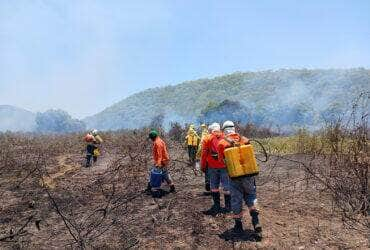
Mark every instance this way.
x=266 y=157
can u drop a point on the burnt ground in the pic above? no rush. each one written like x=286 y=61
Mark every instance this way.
x=104 y=207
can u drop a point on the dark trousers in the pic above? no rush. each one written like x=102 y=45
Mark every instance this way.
x=192 y=151
x=90 y=154
x=207 y=180
x=242 y=188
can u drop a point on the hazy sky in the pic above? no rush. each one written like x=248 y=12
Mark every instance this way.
x=82 y=56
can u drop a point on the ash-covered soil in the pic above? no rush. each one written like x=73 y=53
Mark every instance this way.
x=63 y=205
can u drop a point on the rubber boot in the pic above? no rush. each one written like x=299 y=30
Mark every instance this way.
x=227 y=203
x=208 y=189
x=148 y=189
x=157 y=193
x=256 y=225
x=88 y=161
x=215 y=209
x=238 y=227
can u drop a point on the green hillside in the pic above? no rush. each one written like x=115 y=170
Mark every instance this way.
x=282 y=98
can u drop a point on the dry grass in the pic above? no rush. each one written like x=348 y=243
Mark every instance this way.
x=104 y=206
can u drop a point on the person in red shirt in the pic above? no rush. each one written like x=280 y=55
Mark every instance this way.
x=161 y=159
x=241 y=188
x=217 y=171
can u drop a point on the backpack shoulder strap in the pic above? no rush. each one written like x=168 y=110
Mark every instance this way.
x=232 y=142
x=244 y=140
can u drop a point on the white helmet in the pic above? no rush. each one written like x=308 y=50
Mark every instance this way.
x=214 y=127
x=94 y=132
x=228 y=124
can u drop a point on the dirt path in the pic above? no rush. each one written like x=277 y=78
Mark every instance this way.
x=66 y=164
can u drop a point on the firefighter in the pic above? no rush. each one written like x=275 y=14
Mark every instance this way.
x=217 y=171
x=161 y=161
x=243 y=187
x=205 y=134
x=192 y=141
x=92 y=139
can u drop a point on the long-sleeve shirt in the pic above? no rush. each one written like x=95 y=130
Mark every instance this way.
x=204 y=135
x=209 y=151
x=160 y=154
x=192 y=138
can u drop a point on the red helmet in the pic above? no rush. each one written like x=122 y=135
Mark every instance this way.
x=89 y=138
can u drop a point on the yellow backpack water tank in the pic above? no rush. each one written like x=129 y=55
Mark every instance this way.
x=240 y=161
x=98 y=139
x=96 y=152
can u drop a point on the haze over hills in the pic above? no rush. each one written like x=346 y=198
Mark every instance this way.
x=51 y=121
x=282 y=98
x=16 y=119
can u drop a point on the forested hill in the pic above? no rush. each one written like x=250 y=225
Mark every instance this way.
x=282 y=98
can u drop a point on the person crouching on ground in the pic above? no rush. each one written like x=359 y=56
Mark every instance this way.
x=161 y=159
x=243 y=187
x=217 y=171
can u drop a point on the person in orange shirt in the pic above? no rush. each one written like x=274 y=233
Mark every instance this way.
x=161 y=159
x=243 y=187
x=217 y=171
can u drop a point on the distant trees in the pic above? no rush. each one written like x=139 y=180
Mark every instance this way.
x=226 y=110
x=57 y=121
x=176 y=132
x=157 y=121
x=284 y=98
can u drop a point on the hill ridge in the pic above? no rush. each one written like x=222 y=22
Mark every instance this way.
x=283 y=97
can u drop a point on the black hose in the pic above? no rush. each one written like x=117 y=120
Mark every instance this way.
x=264 y=151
